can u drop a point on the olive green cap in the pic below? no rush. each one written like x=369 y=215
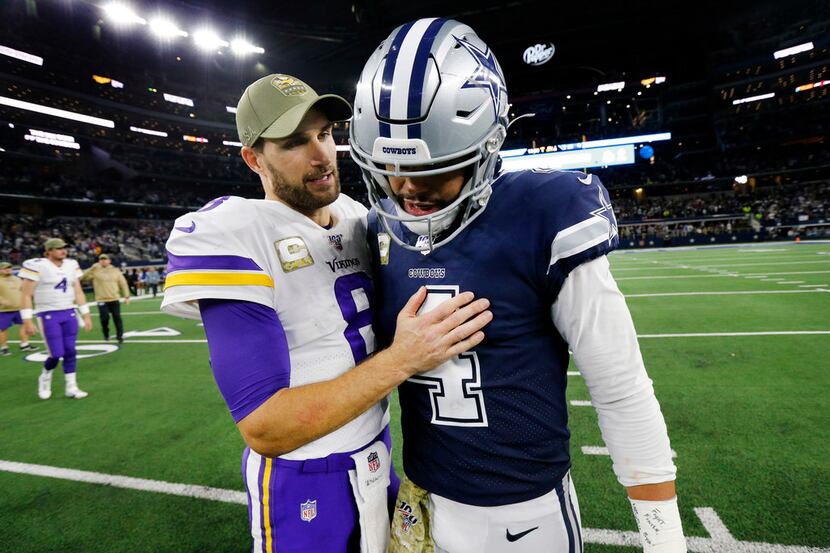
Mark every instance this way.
x=5 y=265
x=53 y=243
x=103 y=256
x=273 y=106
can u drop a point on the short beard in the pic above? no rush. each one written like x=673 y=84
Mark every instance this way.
x=297 y=195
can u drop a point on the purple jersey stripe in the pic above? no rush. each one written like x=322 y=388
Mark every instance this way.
x=188 y=262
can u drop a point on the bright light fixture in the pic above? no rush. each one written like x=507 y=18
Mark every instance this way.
x=786 y=52
x=165 y=28
x=122 y=14
x=240 y=47
x=207 y=39
x=20 y=55
x=611 y=86
x=172 y=98
x=55 y=112
x=232 y=143
x=148 y=131
x=753 y=98
x=230 y=109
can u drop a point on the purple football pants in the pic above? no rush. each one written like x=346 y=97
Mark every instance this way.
x=305 y=506
x=60 y=329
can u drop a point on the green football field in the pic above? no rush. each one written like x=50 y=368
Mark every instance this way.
x=737 y=341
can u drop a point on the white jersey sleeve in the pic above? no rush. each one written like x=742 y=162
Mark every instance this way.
x=30 y=270
x=211 y=254
x=592 y=316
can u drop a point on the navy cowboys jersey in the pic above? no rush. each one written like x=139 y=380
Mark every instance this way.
x=490 y=426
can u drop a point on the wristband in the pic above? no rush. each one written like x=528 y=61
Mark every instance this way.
x=84 y=309
x=659 y=524
x=26 y=314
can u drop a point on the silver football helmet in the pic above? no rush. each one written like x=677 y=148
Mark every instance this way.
x=431 y=99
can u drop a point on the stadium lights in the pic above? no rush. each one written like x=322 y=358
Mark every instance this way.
x=232 y=143
x=611 y=86
x=208 y=40
x=343 y=148
x=809 y=86
x=54 y=112
x=148 y=131
x=52 y=139
x=230 y=109
x=806 y=47
x=241 y=47
x=190 y=138
x=653 y=80
x=173 y=99
x=122 y=14
x=22 y=56
x=753 y=98
x=165 y=28
x=741 y=179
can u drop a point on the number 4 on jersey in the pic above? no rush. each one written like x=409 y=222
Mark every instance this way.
x=455 y=386
x=61 y=285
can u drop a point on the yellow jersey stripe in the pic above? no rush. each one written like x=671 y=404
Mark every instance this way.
x=266 y=515
x=218 y=279
x=23 y=273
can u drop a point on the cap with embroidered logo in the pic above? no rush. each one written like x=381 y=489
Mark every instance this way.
x=273 y=106
x=54 y=243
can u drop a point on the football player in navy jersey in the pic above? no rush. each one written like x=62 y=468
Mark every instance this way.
x=486 y=440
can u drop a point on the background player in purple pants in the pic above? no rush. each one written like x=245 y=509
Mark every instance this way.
x=10 y=309
x=53 y=283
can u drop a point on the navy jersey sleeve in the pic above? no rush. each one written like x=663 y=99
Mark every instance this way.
x=248 y=352
x=579 y=225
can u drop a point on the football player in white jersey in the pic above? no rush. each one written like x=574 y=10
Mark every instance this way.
x=485 y=437
x=282 y=286
x=53 y=282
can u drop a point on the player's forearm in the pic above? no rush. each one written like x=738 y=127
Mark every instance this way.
x=25 y=300
x=294 y=417
x=652 y=492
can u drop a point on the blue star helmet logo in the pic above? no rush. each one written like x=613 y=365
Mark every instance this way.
x=487 y=75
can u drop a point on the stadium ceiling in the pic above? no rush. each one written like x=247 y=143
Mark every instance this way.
x=327 y=42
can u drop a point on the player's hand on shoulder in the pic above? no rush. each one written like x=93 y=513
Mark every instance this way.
x=422 y=342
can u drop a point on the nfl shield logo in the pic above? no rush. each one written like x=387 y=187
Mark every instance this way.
x=374 y=461
x=308 y=510
x=336 y=240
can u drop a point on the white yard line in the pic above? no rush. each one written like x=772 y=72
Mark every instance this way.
x=573 y=373
x=724 y=293
x=662 y=277
x=720 y=540
x=791 y=282
x=813 y=285
x=735 y=334
x=127 y=482
x=580 y=403
x=134 y=313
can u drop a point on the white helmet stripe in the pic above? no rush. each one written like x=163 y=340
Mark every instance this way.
x=403 y=69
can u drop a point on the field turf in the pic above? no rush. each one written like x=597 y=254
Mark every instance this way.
x=732 y=338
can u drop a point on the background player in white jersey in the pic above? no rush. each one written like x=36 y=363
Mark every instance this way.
x=53 y=282
x=486 y=441
x=283 y=289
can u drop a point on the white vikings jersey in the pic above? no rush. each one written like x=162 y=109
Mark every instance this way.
x=55 y=288
x=316 y=279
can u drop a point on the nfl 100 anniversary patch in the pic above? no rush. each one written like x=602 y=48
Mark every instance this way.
x=293 y=253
